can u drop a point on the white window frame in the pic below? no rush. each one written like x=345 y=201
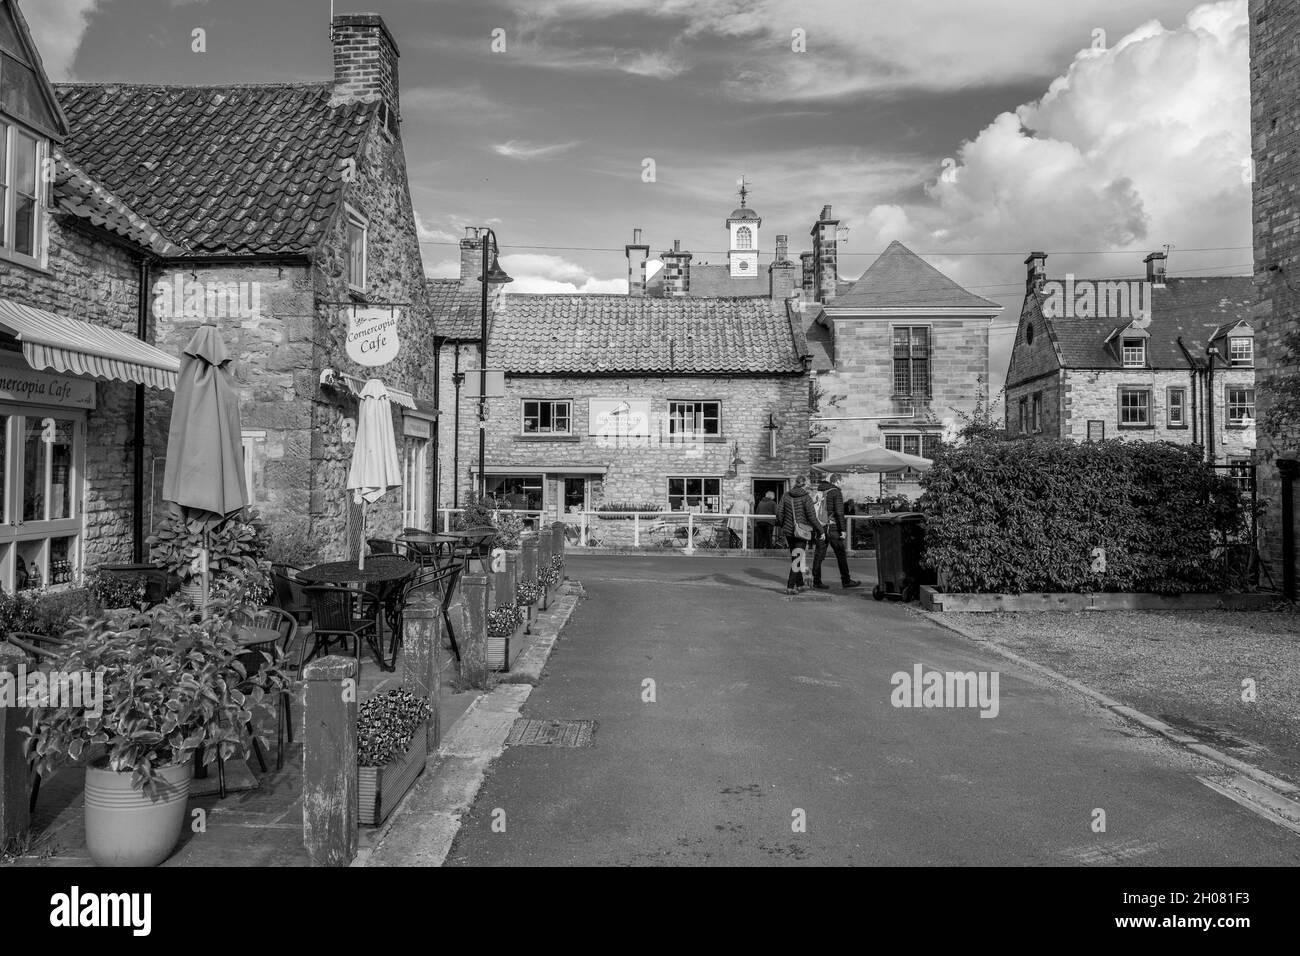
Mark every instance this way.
x=699 y=414
x=552 y=402
x=901 y=439
x=1146 y=408
x=816 y=454
x=415 y=498
x=1134 y=353
x=249 y=439
x=35 y=536
x=1247 y=357
x=745 y=238
x=9 y=132
x=355 y=219
x=686 y=494
x=1181 y=406
x=1228 y=404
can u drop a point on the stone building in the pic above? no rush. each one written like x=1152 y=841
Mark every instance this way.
x=289 y=212
x=75 y=353
x=1160 y=359
x=666 y=404
x=896 y=357
x=1275 y=130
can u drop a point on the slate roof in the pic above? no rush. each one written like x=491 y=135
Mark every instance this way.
x=613 y=334
x=900 y=279
x=1196 y=309
x=220 y=170
x=456 y=311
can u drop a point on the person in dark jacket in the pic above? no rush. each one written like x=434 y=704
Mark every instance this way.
x=797 y=506
x=836 y=530
x=763 y=529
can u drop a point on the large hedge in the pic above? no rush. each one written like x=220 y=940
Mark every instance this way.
x=1026 y=516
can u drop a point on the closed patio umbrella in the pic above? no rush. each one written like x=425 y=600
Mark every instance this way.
x=204 y=471
x=375 y=468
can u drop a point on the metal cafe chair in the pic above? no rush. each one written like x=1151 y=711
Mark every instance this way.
x=475 y=545
x=288 y=592
x=40 y=647
x=276 y=619
x=340 y=613
x=442 y=581
x=422 y=554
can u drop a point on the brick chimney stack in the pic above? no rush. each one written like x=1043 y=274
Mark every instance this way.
x=677 y=270
x=365 y=63
x=1036 y=271
x=782 y=273
x=825 y=256
x=1156 y=268
x=637 y=253
x=471 y=255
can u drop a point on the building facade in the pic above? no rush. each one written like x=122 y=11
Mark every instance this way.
x=282 y=244
x=897 y=357
x=1275 y=131
x=75 y=353
x=1163 y=359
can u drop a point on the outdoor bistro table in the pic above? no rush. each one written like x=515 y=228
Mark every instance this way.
x=428 y=542
x=466 y=540
x=381 y=576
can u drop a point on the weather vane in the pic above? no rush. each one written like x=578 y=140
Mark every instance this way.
x=743 y=183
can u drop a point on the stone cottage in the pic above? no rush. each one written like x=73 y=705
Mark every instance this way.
x=76 y=363
x=288 y=211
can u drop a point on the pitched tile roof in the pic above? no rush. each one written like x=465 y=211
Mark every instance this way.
x=900 y=279
x=221 y=170
x=456 y=310
x=1196 y=310
x=77 y=194
x=562 y=334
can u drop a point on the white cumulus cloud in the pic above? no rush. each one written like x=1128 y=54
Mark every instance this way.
x=58 y=27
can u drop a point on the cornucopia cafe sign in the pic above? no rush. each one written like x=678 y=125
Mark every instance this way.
x=26 y=386
x=372 y=336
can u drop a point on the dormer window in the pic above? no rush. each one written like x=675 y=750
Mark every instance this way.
x=1134 y=353
x=1241 y=351
x=22 y=194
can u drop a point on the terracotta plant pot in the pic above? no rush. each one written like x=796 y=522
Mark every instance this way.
x=124 y=827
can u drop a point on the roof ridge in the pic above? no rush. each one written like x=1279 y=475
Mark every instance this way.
x=87 y=84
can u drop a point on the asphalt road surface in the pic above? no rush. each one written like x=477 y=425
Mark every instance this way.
x=771 y=739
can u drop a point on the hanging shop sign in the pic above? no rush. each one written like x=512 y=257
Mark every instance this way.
x=372 y=336
x=25 y=385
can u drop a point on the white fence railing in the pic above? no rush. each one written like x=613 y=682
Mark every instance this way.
x=685 y=531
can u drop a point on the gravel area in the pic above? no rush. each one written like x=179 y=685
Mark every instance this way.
x=1184 y=667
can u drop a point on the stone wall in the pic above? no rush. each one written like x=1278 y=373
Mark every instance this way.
x=93 y=280
x=1275 y=128
x=861 y=384
x=637 y=470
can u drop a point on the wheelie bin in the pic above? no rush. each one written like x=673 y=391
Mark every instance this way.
x=900 y=545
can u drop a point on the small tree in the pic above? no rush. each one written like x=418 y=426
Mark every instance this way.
x=983 y=422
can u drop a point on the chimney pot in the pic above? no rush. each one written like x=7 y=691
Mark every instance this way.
x=636 y=237
x=826 y=213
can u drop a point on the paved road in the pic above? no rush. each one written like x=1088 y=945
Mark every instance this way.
x=768 y=707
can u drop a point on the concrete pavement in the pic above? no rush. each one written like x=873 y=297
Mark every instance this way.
x=767 y=712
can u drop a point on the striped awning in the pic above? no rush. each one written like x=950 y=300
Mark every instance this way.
x=72 y=347
x=396 y=395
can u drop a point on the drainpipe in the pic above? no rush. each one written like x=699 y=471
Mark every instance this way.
x=457 y=378
x=1288 y=468
x=137 y=496
x=1191 y=369
x=1209 y=403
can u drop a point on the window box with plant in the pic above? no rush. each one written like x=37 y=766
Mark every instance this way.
x=167 y=682
x=391 y=750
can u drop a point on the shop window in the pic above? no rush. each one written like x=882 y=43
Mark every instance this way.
x=521 y=492
x=700 y=495
x=40 y=462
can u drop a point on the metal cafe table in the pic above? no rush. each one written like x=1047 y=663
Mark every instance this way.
x=382 y=576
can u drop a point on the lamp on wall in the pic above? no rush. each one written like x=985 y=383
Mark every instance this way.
x=772 y=428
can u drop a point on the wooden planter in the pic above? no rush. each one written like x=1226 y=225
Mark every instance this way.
x=380 y=789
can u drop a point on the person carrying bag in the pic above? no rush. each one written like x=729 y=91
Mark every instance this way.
x=798 y=522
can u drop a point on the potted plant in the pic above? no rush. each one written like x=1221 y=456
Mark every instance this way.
x=156 y=686
x=526 y=595
x=237 y=544
x=391 y=750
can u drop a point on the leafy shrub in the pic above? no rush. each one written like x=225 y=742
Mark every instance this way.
x=118 y=589
x=1025 y=516
x=477 y=513
x=49 y=613
x=238 y=543
x=17 y=613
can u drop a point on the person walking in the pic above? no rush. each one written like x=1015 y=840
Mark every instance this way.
x=763 y=529
x=828 y=491
x=798 y=522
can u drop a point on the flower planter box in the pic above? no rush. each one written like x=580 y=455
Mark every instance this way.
x=380 y=789
x=936 y=599
x=502 y=651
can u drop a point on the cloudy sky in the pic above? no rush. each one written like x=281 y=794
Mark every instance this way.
x=971 y=130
